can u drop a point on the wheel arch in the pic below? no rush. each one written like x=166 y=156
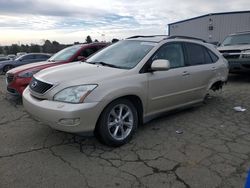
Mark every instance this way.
x=136 y=101
x=216 y=85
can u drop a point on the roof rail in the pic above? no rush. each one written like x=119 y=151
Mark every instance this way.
x=242 y=32
x=185 y=37
x=143 y=36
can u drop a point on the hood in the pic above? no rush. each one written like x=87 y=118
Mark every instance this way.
x=37 y=66
x=235 y=47
x=78 y=72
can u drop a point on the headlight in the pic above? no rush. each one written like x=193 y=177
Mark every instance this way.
x=245 y=54
x=75 y=94
x=27 y=74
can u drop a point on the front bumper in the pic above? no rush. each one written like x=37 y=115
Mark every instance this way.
x=73 y=118
x=17 y=85
x=239 y=65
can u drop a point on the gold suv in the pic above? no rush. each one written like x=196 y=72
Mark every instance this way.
x=124 y=85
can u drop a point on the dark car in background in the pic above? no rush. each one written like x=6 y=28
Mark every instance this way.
x=23 y=60
x=19 y=78
x=4 y=58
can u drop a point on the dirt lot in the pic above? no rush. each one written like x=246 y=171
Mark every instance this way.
x=212 y=151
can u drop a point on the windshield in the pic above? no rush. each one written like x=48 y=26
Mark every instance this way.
x=65 y=54
x=125 y=54
x=236 y=39
x=20 y=57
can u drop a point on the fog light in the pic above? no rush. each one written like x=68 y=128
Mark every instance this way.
x=69 y=121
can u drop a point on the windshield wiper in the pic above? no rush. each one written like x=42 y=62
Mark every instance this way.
x=50 y=60
x=104 y=64
x=242 y=43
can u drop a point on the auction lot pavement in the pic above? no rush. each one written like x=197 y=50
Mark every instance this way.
x=212 y=151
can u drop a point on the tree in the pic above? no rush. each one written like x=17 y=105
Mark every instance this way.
x=88 y=39
x=56 y=47
x=14 y=48
x=96 y=40
x=115 y=40
x=24 y=48
x=34 y=48
x=55 y=43
x=47 y=46
x=6 y=50
x=1 y=50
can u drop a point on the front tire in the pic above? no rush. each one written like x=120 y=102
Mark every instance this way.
x=7 y=68
x=117 y=123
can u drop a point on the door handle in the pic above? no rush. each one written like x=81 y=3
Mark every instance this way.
x=213 y=68
x=185 y=73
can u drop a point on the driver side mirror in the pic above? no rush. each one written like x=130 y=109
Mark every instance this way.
x=160 y=65
x=81 y=58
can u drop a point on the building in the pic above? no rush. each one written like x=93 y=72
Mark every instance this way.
x=212 y=27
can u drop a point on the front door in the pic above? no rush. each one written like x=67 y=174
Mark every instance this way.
x=168 y=89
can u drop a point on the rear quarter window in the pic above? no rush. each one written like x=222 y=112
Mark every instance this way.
x=213 y=56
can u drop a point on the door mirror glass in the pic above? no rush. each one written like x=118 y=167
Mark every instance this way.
x=80 y=58
x=160 y=65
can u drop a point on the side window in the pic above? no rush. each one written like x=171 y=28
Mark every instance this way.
x=41 y=57
x=173 y=53
x=88 y=51
x=195 y=54
x=101 y=47
x=28 y=57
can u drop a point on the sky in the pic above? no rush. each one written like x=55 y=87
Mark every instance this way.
x=68 y=21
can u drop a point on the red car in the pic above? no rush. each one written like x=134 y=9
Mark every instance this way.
x=19 y=78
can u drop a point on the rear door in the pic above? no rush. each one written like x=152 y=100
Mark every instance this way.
x=200 y=67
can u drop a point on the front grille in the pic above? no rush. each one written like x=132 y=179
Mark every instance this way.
x=231 y=54
x=246 y=66
x=39 y=86
x=10 y=78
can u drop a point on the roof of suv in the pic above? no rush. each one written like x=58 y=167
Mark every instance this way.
x=35 y=54
x=159 y=38
x=90 y=44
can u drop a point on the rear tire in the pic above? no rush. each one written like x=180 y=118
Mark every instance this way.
x=6 y=68
x=117 y=123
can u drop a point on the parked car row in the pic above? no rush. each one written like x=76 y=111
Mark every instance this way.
x=19 y=78
x=22 y=60
x=121 y=86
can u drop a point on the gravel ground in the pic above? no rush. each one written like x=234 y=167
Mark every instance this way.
x=212 y=151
